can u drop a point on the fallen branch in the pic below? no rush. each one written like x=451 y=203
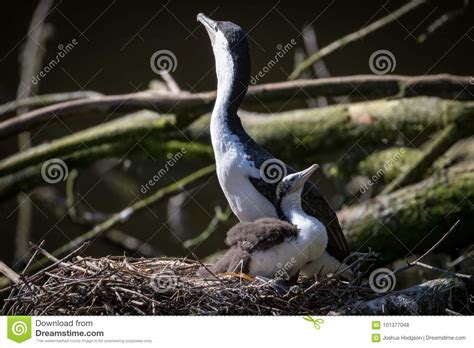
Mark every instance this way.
x=39 y=101
x=414 y=217
x=432 y=297
x=191 y=105
x=132 y=128
x=324 y=133
x=447 y=137
x=29 y=177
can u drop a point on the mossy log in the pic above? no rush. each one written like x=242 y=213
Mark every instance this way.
x=430 y=298
x=302 y=135
x=392 y=161
x=115 y=139
x=411 y=220
x=147 y=128
x=27 y=178
x=191 y=105
x=310 y=135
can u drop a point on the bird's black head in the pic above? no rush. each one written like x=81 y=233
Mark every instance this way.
x=231 y=51
x=226 y=35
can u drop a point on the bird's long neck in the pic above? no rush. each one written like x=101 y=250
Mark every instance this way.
x=289 y=207
x=292 y=211
x=233 y=75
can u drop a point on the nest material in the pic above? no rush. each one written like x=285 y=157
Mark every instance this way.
x=121 y=285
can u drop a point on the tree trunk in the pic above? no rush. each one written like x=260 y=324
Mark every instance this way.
x=412 y=219
x=430 y=298
x=311 y=135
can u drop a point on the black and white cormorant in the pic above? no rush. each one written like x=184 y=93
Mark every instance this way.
x=239 y=159
x=276 y=248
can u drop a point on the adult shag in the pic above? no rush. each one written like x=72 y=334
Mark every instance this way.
x=276 y=248
x=241 y=163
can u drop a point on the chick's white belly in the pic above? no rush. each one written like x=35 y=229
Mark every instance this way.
x=282 y=260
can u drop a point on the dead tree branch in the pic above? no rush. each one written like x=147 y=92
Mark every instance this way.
x=359 y=34
x=189 y=106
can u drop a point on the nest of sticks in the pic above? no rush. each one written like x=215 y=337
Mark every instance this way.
x=129 y=286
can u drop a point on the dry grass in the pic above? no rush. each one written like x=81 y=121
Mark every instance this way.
x=121 y=285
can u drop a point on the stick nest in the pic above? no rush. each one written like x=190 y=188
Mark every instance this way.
x=122 y=285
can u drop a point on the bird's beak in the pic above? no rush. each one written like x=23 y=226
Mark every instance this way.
x=209 y=24
x=304 y=175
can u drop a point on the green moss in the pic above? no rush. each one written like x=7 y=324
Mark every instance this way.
x=388 y=162
x=413 y=219
x=125 y=130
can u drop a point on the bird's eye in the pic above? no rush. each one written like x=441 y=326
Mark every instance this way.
x=215 y=28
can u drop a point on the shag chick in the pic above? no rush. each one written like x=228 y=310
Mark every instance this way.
x=276 y=248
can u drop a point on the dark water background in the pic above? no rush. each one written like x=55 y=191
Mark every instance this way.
x=115 y=42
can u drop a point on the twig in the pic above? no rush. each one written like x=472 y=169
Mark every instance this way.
x=38 y=101
x=171 y=83
x=219 y=217
x=128 y=212
x=131 y=243
x=9 y=273
x=413 y=263
x=433 y=268
x=439 y=241
x=35 y=252
x=359 y=34
x=70 y=183
x=206 y=268
x=319 y=67
x=440 y=22
x=444 y=271
x=30 y=58
x=61 y=261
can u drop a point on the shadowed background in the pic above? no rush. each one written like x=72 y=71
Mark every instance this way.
x=115 y=43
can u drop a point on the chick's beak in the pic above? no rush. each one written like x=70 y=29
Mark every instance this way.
x=209 y=24
x=304 y=175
